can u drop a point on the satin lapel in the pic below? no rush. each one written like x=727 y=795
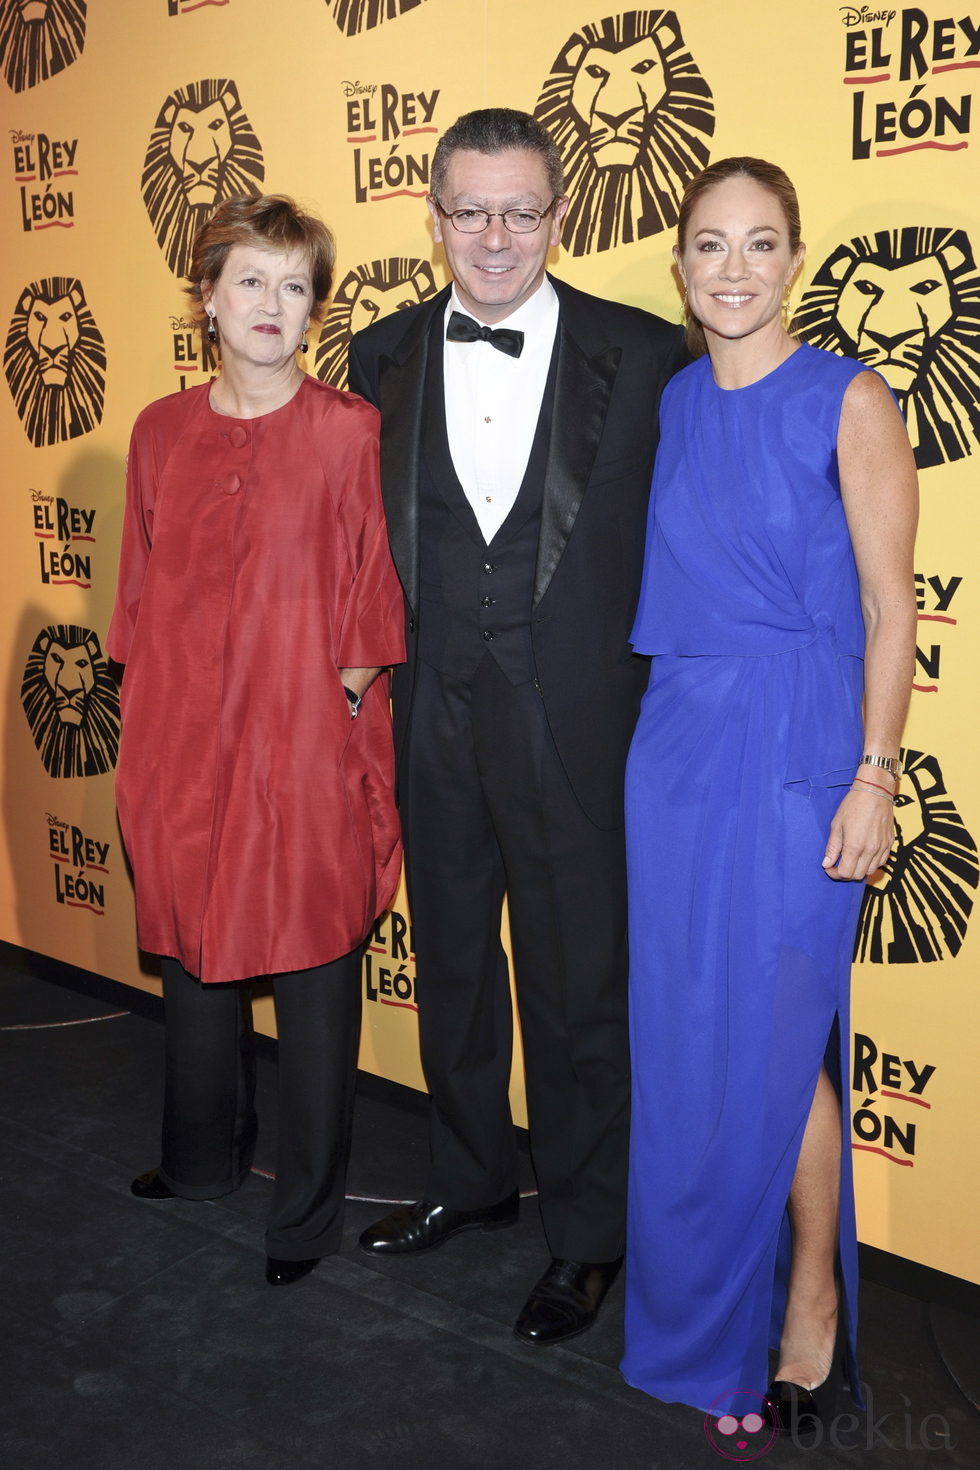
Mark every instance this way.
x=401 y=392
x=582 y=391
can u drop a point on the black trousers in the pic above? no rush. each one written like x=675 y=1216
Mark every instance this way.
x=486 y=807
x=209 y=1122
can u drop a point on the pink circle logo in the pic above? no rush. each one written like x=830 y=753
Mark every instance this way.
x=743 y=1436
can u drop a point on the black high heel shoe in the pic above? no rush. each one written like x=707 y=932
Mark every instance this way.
x=802 y=1412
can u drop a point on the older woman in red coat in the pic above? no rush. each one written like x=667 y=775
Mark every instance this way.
x=256 y=607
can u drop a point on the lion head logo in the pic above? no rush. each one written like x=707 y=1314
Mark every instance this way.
x=907 y=302
x=921 y=909
x=202 y=150
x=55 y=361
x=71 y=702
x=366 y=294
x=39 y=38
x=355 y=16
x=630 y=113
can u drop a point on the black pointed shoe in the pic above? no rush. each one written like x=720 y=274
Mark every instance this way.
x=793 y=1409
x=423 y=1226
x=284 y=1273
x=565 y=1301
x=802 y=1412
x=151 y=1186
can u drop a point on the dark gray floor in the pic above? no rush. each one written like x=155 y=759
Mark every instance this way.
x=135 y=1336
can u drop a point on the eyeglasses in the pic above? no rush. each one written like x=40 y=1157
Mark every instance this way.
x=475 y=221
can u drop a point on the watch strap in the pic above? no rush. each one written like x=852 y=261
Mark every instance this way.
x=888 y=763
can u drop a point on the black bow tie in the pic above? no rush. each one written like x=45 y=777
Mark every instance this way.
x=464 y=329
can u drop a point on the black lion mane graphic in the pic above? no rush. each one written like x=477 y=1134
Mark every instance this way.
x=920 y=911
x=202 y=150
x=54 y=361
x=365 y=295
x=355 y=16
x=71 y=702
x=39 y=38
x=907 y=302
x=630 y=112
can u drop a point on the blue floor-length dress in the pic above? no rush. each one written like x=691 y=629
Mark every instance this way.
x=740 y=944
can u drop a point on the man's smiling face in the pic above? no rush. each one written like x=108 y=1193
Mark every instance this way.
x=496 y=271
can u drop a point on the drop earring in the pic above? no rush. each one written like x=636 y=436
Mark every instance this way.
x=304 y=346
x=787 y=314
x=212 y=329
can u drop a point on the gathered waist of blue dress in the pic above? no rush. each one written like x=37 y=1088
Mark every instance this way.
x=746 y=639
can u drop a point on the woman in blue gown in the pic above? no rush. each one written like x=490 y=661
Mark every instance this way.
x=777 y=598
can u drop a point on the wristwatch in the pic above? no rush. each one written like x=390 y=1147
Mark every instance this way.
x=354 y=700
x=888 y=763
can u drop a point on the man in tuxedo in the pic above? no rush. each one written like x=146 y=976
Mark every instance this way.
x=519 y=422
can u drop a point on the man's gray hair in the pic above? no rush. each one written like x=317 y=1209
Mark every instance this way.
x=496 y=130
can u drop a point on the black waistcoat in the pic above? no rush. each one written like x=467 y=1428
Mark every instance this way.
x=475 y=597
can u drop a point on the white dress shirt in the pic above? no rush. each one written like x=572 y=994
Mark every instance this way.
x=493 y=403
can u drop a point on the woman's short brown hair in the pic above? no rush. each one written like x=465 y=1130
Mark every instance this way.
x=266 y=222
x=768 y=176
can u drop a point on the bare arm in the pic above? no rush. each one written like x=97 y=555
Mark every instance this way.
x=358 y=680
x=880 y=495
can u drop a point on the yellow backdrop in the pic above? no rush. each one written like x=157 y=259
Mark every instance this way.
x=122 y=123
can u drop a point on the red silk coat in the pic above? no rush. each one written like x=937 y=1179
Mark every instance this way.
x=258 y=816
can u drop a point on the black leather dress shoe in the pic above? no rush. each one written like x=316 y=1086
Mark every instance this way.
x=565 y=1301
x=151 y=1186
x=284 y=1273
x=423 y=1226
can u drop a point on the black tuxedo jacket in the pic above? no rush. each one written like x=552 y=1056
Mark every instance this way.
x=613 y=362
